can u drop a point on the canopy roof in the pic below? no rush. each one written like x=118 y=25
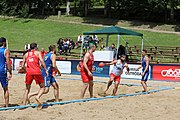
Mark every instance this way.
x=113 y=30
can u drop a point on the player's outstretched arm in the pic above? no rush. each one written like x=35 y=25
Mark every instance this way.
x=127 y=68
x=111 y=63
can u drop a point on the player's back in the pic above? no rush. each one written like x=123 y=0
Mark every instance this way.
x=48 y=63
x=33 y=65
x=3 y=66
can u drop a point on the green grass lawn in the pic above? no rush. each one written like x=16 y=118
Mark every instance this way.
x=20 y=32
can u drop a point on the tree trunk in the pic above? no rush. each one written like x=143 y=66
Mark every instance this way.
x=165 y=13
x=85 y=8
x=109 y=9
x=75 y=8
x=105 y=9
x=54 y=8
x=172 y=14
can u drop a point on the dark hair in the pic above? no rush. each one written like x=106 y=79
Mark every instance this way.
x=144 y=50
x=2 y=39
x=123 y=55
x=51 y=48
x=33 y=45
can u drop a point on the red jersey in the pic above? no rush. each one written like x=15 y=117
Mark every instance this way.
x=89 y=63
x=33 y=65
x=43 y=53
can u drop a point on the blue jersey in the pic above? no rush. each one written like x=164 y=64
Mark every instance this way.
x=3 y=66
x=48 y=63
x=144 y=65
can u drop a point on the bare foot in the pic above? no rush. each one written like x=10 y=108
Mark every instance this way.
x=102 y=94
x=28 y=101
x=39 y=107
x=39 y=103
x=57 y=100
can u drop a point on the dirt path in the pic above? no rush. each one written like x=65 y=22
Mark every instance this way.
x=133 y=28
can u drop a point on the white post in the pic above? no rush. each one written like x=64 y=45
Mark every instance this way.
x=7 y=46
x=118 y=42
x=59 y=14
x=142 y=46
x=67 y=7
x=81 y=48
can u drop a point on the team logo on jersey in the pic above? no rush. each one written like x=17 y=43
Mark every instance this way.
x=45 y=58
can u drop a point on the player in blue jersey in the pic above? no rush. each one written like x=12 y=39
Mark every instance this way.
x=50 y=62
x=145 y=69
x=4 y=67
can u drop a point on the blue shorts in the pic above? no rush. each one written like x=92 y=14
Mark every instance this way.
x=49 y=80
x=4 y=81
x=145 y=77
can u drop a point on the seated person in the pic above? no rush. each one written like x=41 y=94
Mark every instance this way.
x=71 y=45
x=95 y=38
x=60 y=44
x=65 y=46
x=80 y=39
x=102 y=47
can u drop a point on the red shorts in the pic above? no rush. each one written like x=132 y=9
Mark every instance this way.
x=85 y=77
x=38 y=78
x=116 y=78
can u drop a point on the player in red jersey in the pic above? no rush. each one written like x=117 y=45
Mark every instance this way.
x=33 y=72
x=43 y=52
x=86 y=71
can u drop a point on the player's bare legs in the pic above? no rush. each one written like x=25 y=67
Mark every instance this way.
x=56 y=91
x=40 y=93
x=115 y=88
x=143 y=83
x=6 y=96
x=109 y=84
x=91 y=88
x=83 y=90
x=25 y=97
x=36 y=93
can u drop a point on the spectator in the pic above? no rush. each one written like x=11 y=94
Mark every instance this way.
x=85 y=45
x=71 y=45
x=91 y=41
x=26 y=48
x=101 y=47
x=101 y=40
x=79 y=40
x=95 y=38
x=87 y=38
x=65 y=46
x=60 y=45
x=43 y=52
x=113 y=48
x=121 y=50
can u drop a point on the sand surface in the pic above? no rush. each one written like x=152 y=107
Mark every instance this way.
x=164 y=105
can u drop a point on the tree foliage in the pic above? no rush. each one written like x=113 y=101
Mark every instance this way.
x=144 y=9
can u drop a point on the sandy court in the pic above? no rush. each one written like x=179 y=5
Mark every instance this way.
x=163 y=105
